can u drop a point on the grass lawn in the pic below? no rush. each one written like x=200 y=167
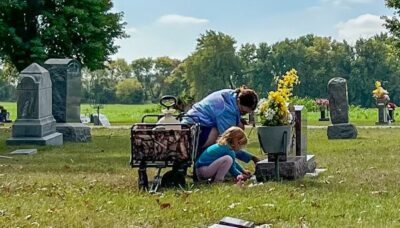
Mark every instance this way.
x=119 y=114
x=91 y=185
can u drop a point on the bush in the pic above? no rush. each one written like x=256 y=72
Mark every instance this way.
x=307 y=102
x=129 y=91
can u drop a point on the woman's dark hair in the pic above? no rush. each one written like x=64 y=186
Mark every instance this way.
x=247 y=97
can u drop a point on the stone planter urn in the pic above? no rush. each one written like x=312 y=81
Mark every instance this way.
x=275 y=140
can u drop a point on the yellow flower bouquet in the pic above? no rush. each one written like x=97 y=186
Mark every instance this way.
x=274 y=111
x=379 y=92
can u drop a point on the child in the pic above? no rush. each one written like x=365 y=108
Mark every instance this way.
x=218 y=159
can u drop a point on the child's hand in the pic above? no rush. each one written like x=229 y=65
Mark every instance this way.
x=246 y=174
x=240 y=178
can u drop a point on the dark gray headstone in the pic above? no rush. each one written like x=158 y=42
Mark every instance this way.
x=383 y=113
x=338 y=101
x=293 y=168
x=339 y=110
x=66 y=78
x=35 y=123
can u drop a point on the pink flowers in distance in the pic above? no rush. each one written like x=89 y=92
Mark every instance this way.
x=322 y=102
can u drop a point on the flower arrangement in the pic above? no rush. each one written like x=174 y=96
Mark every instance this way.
x=392 y=105
x=322 y=103
x=274 y=111
x=379 y=92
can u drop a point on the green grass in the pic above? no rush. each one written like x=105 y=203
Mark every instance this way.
x=119 y=114
x=116 y=113
x=91 y=185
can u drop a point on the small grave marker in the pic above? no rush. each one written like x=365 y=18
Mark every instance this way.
x=235 y=222
x=85 y=119
x=24 y=152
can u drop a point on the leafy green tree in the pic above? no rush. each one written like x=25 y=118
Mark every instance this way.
x=176 y=84
x=247 y=57
x=98 y=86
x=129 y=91
x=213 y=64
x=119 y=69
x=142 y=71
x=153 y=73
x=373 y=62
x=393 y=23
x=262 y=79
x=34 y=30
x=8 y=80
x=162 y=68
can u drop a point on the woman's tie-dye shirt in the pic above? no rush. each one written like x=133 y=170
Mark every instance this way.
x=219 y=110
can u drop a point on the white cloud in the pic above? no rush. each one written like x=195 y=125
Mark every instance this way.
x=363 y=26
x=181 y=20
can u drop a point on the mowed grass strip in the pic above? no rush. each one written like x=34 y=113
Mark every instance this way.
x=124 y=114
x=92 y=185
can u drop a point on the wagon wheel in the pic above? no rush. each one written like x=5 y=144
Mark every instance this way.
x=143 y=181
x=173 y=179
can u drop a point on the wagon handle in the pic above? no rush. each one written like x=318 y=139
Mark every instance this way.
x=168 y=101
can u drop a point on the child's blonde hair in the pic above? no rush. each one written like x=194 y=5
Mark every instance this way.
x=233 y=133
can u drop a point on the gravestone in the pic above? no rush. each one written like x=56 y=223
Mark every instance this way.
x=4 y=115
x=383 y=112
x=236 y=222
x=85 y=119
x=301 y=138
x=65 y=75
x=339 y=111
x=297 y=164
x=102 y=120
x=24 y=152
x=35 y=123
x=323 y=116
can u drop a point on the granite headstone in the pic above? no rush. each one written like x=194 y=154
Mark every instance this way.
x=383 y=113
x=339 y=111
x=35 y=123
x=299 y=163
x=66 y=77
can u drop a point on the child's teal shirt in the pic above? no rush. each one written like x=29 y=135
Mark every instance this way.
x=216 y=151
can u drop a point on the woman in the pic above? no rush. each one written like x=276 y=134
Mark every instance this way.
x=221 y=110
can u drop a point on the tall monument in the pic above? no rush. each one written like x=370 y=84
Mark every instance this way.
x=35 y=123
x=65 y=75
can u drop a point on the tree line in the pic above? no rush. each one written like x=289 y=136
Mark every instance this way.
x=35 y=30
x=217 y=63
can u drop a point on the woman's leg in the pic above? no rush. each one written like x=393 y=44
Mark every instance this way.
x=216 y=170
x=212 y=138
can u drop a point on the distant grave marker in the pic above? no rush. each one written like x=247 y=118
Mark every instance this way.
x=85 y=119
x=339 y=111
x=102 y=120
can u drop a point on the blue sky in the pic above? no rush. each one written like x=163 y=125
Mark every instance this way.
x=171 y=27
